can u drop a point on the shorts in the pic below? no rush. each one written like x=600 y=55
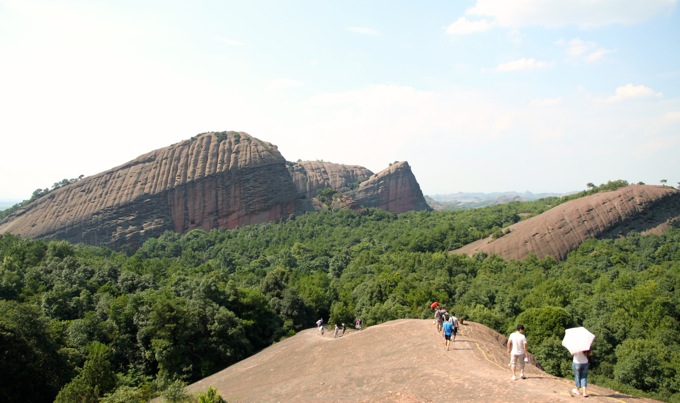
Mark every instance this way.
x=447 y=336
x=517 y=360
x=455 y=330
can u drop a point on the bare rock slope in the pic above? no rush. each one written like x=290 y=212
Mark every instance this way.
x=224 y=180
x=214 y=180
x=640 y=208
x=311 y=176
x=393 y=189
x=398 y=361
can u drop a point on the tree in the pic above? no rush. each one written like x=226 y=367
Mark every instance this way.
x=96 y=378
x=29 y=353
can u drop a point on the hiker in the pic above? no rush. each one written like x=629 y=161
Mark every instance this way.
x=580 y=366
x=343 y=329
x=454 y=322
x=319 y=323
x=358 y=324
x=439 y=318
x=517 y=348
x=335 y=332
x=447 y=330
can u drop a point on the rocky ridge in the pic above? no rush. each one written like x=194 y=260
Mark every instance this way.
x=398 y=361
x=640 y=208
x=214 y=180
x=393 y=189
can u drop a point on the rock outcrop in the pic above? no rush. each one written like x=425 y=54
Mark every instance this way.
x=612 y=214
x=311 y=176
x=394 y=189
x=214 y=180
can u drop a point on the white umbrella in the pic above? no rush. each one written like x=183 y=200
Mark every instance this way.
x=577 y=339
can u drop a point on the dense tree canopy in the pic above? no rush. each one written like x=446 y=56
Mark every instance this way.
x=185 y=306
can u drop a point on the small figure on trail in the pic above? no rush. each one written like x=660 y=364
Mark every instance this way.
x=447 y=330
x=343 y=329
x=319 y=323
x=335 y=332
x=580 y=366
x=517 y=347
x=439 y=318
x=358 y=324
x=454 y=322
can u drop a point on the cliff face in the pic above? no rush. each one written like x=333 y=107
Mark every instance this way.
x=603 y=215
x=311 y=176
x=394 y=189
x=223 y=180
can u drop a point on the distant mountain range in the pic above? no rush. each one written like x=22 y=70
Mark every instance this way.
x=462 y=200
x=5 y=204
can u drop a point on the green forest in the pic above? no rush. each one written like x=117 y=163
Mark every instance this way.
x=88 y=324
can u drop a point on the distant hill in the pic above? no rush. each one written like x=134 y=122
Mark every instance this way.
x=5 y=204
x=399 y=361
x=612 y=214
x=464 y=201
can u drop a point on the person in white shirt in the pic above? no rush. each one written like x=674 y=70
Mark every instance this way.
x=580 y=366
x=517 y=348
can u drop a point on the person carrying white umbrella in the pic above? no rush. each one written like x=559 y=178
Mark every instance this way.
x=578 y=341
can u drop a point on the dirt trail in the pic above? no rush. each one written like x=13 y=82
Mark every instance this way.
x=398 y=361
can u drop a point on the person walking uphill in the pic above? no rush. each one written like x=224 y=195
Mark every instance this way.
x=448 y=331
x=580 y=367
x=517 y=348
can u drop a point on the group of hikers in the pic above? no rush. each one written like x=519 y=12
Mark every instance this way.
x=448 y=325
x=339 y=327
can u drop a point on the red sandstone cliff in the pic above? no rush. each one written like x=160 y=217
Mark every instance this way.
x=603 y=215
x=311 y=176
x=214 y=180
x=394 y=189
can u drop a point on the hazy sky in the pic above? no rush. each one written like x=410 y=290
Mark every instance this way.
x=477 y=95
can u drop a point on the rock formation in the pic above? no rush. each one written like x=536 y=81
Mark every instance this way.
x=311 y=176
x=602 y=215
x=223 y=180
x=393 y=189
x=214 y=180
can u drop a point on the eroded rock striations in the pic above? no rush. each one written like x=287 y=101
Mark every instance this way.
x=639 y=208
x=393 y=189
x=224 y=180
x=214 y=180
x=311 y=176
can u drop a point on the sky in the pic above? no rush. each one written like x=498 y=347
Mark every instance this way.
x=477 y=95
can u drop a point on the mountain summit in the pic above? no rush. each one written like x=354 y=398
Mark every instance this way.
x=213 y=180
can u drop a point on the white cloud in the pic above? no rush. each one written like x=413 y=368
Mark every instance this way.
x=630 y=91
x=363 y=31
x=520 y=65
x=463 y=26
x=280 y=84
x=556 y=13
x=546 y=102
x=587 y=50
x=231 y=42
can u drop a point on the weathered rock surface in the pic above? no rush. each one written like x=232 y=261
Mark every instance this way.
x=311 y=176
x=214 y=180
x=639 y=208
x=394 y=189
x=401 y=361
x=223 y=180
